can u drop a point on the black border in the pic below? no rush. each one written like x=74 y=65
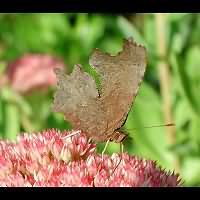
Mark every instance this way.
x=101 y=193
x=109 y=6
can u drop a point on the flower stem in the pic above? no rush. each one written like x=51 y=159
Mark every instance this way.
x=165 y=79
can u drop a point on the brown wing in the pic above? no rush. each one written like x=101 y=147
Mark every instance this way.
x=121 y=78
x=76 y=97
x=100 y=114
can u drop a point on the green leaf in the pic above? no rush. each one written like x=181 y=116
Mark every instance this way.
x=129 y=30
x=89 y=29
x=192 y=66
x=195 y=129
x=184 y=82
x=12 y=121
x=191 y=171
x=10 y=95
x=1 y=117
x=56 y=120
x=180 y=109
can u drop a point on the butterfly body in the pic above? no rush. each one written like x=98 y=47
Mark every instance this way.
x=100 y=113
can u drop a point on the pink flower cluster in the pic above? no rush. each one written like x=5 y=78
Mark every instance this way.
x=32 y=71
x=54 y=158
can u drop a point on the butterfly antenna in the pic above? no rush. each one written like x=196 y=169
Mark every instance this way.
x=154 y=126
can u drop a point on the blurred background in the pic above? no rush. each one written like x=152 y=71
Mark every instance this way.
x=31 y=45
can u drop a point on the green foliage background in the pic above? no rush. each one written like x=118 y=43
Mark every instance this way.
x=73 y=37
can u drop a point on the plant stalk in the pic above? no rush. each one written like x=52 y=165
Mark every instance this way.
x=165 y=79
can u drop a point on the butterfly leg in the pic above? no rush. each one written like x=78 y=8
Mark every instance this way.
x=121 y=148
x=121 y=157
x=70 y=135
x=101 y=163
x=121 y=151
x=106 y=146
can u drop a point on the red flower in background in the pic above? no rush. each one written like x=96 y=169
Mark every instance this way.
x=51 y=159
x=33 y=71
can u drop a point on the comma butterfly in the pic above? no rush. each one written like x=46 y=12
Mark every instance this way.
x=100 y=113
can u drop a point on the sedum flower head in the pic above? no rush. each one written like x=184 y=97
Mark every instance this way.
x=33 y=71
x=54 y=158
